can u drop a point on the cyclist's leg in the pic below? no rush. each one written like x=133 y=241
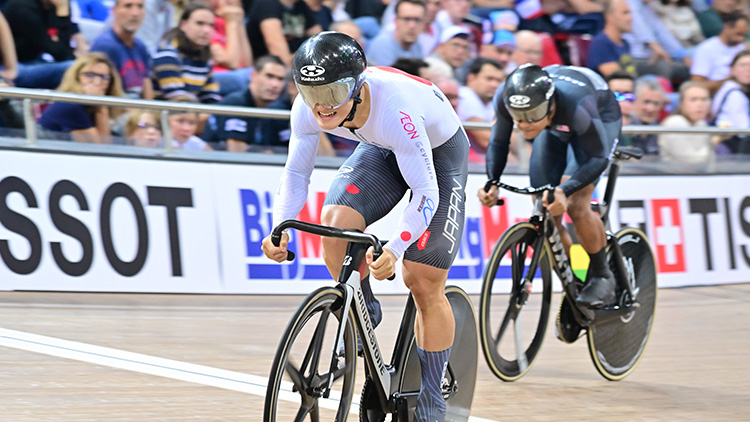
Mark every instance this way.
x=547 y=165
x=426 y=265
x=366 y=188
x=599 y=289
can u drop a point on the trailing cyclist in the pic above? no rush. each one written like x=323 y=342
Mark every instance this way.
x=410 y=138
x=575 y=122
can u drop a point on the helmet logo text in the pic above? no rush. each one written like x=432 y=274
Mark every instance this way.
x=519 y=101
x=312 y=70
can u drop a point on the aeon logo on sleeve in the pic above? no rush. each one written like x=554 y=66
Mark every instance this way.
x=409 y=127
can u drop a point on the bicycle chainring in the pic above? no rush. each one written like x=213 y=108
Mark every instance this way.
x=567 y=328
x=369 y=404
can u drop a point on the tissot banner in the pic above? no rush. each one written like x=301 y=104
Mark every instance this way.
x=86 y=223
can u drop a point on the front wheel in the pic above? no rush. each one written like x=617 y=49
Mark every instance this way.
x=617 y=346
x=512 y=319
x=298 y=383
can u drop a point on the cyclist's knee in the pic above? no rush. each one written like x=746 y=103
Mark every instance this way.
x=579 y=203
x=342 y=217
x=426 y=284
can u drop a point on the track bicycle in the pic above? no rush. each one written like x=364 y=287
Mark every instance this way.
x=513 y=320
x=313 y=372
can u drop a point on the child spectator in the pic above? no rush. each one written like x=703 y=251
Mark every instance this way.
x=143 y=129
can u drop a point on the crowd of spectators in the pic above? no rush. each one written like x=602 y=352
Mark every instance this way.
x=675 y=63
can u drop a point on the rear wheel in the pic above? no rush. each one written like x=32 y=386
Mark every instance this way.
x=512 y=317
x=617 y=346
x=299 y=376
x=461 y=375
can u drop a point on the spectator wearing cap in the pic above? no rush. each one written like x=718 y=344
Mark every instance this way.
x=528 y=50
x=389 y=46
x=499 y=46
x=455 y=47
x=475 y=99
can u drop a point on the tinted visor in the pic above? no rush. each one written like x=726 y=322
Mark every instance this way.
x=529 y=115
x=332 y=95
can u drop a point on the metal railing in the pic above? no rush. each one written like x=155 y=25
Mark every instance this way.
x=166 y=107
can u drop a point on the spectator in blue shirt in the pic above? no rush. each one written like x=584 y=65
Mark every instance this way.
x=402 y=42
x=128 y=53
x=237 y=133
x=608 y=51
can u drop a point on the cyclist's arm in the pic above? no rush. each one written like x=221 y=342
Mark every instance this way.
x=414 y=157
x=592 y=140
x=303 y=147
x=497 y=151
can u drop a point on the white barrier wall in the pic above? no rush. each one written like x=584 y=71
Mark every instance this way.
x=82 y=223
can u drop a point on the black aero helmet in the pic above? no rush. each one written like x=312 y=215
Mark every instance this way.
x=528 y=93
x=328 y=69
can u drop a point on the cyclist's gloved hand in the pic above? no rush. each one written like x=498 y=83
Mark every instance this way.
x=559 y=206
x=278 y=254
x=489 y=198
x=383 y=267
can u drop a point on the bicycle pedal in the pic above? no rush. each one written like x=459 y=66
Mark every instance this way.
x=567 y=328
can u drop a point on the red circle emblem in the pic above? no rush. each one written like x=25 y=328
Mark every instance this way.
x=352 y=189
x=405 y=236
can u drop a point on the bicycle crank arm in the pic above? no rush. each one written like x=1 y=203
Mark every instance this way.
x=608 y=314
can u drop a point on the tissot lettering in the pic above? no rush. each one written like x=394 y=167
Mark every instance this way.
x=68 y=221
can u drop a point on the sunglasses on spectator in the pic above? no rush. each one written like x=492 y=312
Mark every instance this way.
x=93 y=75
x=149 y=126
x=625 y=96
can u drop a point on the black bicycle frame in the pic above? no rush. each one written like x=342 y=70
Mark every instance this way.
x=388 y=378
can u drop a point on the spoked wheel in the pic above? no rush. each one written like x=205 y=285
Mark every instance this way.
x=512 y=321
x=297 y=385
x=617 y=346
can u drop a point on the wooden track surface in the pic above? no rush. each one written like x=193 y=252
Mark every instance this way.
x=696 y=366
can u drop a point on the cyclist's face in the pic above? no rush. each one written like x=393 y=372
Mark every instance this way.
x=531 y=130
x=331 y=118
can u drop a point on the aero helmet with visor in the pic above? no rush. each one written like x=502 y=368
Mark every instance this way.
x=528 y=93
x=328 y=69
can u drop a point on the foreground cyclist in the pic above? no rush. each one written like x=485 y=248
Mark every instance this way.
x=410 y=138
x=575 y=122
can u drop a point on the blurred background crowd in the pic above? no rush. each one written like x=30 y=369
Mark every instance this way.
x=675 y=63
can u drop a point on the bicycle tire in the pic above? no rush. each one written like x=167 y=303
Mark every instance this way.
x=462 y=363
x=463 y=358
x=293 y=391
x=500 y=292
x=616 y=347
